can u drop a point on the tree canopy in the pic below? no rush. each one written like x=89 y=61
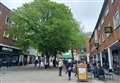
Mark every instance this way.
x=46 y=26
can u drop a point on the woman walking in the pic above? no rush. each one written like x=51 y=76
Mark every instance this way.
x=60 y=65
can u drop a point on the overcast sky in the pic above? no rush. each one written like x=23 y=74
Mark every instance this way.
x=85 y=12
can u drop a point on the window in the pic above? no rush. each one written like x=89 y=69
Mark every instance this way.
x=99 y=40
x=108 y=34
x=116 y=19
x=96 y=36
x=103 y=37
x=14 y=38
x=7 y=20
x=107 y=11
x=102 y=21
x=5 y=34
x=0 y=12
x=112 y=1
x=99 y=28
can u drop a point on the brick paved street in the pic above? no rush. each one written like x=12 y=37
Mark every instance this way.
x=29 y=74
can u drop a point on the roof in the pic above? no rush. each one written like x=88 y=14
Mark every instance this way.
x=4 y=6
x=100 y=16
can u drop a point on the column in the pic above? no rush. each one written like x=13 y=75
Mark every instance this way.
x=110 y=58
x=101 y=61
x=97 y=58
x=88 y=57
x=94 y=58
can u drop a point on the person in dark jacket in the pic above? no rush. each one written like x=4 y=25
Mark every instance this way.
x=36 y=62
x=101 y=73
x=69 y=68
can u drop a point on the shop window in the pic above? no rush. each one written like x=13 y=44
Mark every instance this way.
x=117 y=19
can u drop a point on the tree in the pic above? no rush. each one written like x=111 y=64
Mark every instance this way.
x=46 y=26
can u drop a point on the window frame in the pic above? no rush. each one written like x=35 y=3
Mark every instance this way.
x=112 y=1
x=116 y=19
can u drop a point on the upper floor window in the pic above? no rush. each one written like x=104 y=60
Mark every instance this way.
x=0 y=12
x=107 y=11
x=116 y=19
x=112 y=1
x=5 y=34
x=99 y=28
x=96 y=36
x=102 y=21
x=7 y=20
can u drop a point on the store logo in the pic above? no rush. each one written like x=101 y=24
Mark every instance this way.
x=7 y=49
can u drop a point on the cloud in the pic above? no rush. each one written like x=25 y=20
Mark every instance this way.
x=14 y=3
x=84 y=11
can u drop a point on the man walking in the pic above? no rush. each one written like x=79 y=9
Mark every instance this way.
x=70 y=68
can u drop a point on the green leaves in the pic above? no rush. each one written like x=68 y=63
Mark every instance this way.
x=46 y=25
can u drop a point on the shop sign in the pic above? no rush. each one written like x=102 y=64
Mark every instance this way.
x=108 y=29
x=7 y=49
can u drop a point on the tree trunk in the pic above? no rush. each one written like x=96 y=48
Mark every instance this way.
x=47 y=58
x=72 y=54
x=54 y=61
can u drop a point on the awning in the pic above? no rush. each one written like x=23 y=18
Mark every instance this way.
x=9 y=46
x=67 y=55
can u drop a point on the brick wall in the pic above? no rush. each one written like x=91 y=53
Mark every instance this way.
x=4 y=12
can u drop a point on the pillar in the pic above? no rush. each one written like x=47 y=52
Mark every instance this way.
x=96 y=57
x=101 y=61
x=110 y=58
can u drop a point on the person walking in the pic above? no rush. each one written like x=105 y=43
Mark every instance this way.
x=36 y=62
x=70 y=66
x=60 y=65
x=39 y=61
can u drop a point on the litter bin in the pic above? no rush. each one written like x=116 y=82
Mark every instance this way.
x=82 y=74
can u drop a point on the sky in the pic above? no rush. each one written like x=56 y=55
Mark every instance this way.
x=86 y=12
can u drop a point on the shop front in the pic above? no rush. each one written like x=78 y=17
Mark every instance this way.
x=9 y=56
x=116 y=57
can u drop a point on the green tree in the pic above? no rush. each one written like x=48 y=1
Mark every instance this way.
x=46 y=26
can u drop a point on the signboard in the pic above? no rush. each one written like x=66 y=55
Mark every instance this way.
x=108 y=29
x=7 y=49
x=82 y=72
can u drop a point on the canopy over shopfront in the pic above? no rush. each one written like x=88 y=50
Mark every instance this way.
x=67 y=55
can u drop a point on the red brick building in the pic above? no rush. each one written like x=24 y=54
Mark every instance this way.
x=105 y=40
x=4 y=22
x=8 y=53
